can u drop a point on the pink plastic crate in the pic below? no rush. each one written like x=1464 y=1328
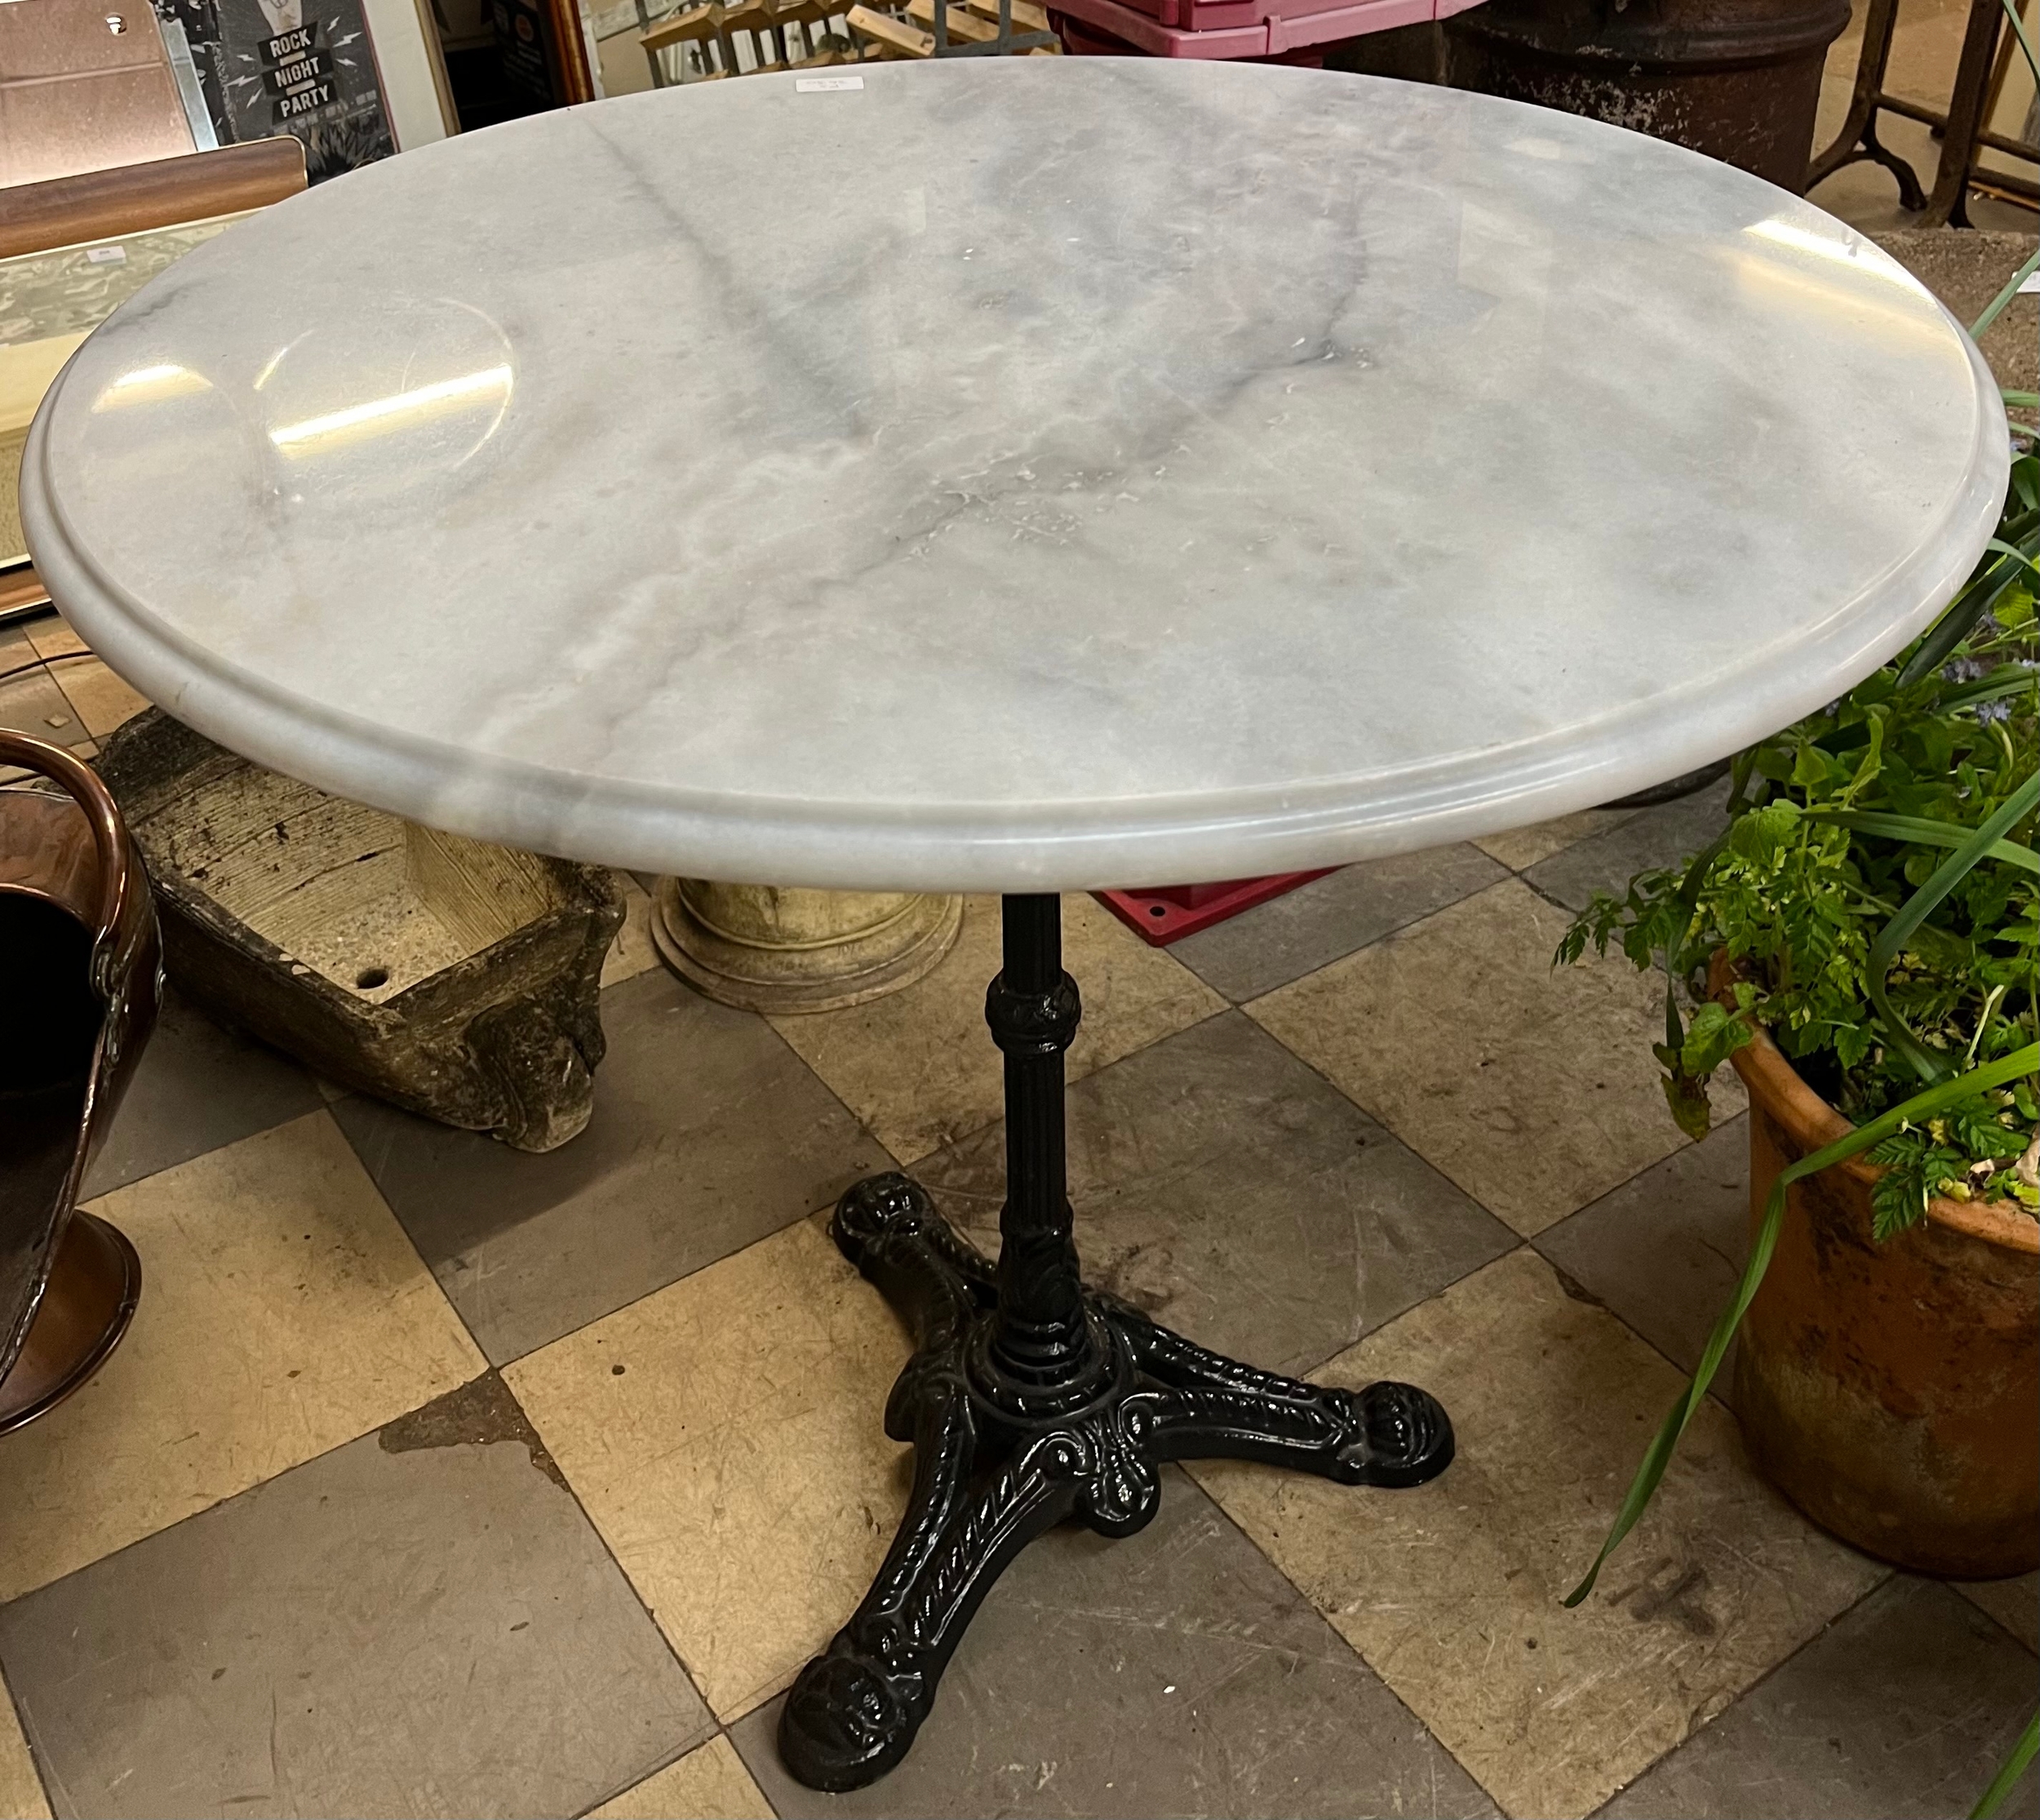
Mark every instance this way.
x=1231 y=28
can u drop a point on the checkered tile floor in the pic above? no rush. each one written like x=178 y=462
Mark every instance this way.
x=434 y=1479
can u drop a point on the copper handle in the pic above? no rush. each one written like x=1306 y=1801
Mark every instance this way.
x=109 y=838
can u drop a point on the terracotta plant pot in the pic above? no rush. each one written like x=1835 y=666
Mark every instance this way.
x=1891 y=1392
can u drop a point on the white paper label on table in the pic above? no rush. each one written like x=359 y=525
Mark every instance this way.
x=826 y=85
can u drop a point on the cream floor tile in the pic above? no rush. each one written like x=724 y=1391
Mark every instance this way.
x=104 y=702
x=919 y=1069
x=1522 y=847
x=724 y=1435
x=1535 y=1090
x=53 y=638
x=283 y=1312
x=632 y=953
x=21 y=1796
x=1452 y=1592
x=709 y=1783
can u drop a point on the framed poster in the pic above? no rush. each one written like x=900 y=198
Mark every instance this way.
x=303 y=67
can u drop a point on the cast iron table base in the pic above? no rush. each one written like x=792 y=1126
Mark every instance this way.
x=1032 y=1400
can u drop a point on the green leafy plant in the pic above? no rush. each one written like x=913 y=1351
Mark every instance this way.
x=1877 y=897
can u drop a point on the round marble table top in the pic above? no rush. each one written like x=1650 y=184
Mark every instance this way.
x=1014 y=474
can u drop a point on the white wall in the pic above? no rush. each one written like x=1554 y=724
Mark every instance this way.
x=410 y=88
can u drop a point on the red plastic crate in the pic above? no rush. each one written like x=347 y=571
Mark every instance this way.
x=1169 y=912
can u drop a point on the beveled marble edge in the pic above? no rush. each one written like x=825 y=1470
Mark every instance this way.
x=983 y=848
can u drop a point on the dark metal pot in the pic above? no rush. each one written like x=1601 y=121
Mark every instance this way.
x=1736 y=79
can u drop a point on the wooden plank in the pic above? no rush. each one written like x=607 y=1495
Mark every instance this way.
x=710 y=23
x=695 y=23
x=21 y=591
x=1027 y=16
x=893 y=37
x=964 y=27
x=67 y=211
x=757 y=17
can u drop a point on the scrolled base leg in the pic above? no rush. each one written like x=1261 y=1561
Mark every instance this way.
x=985 y=1485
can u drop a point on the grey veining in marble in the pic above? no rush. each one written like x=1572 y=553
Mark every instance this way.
x=1015 y=474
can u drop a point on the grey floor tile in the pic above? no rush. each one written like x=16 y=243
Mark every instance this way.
x=1530 y=1086
x=1175 y=1672
x=1661 y=837
x=421 y=1623
x=1904 y=1706
x=1298 y=932
x=1664 y=1250
x=708 y=1133
x=1451 y=1592
x=1229 y=1191
x=2014 y=1603
x=198 y=1086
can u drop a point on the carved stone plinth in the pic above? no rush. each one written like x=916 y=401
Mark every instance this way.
x=765 y=948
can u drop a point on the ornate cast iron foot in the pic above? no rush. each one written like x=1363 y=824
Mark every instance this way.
x=989 y=1477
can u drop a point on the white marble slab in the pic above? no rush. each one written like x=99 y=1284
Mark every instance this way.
x=1015 y=474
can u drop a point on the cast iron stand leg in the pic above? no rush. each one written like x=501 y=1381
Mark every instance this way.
x=1858 y=136
x=1030 y=1400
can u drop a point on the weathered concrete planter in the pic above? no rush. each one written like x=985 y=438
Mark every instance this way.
x=455 y=979
x=766 y=948
x=1891 y=1392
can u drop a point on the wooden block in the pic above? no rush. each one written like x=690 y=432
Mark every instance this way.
x=892 y=37
x=67 y=211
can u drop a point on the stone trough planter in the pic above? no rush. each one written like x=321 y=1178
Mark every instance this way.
x=453 y=978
